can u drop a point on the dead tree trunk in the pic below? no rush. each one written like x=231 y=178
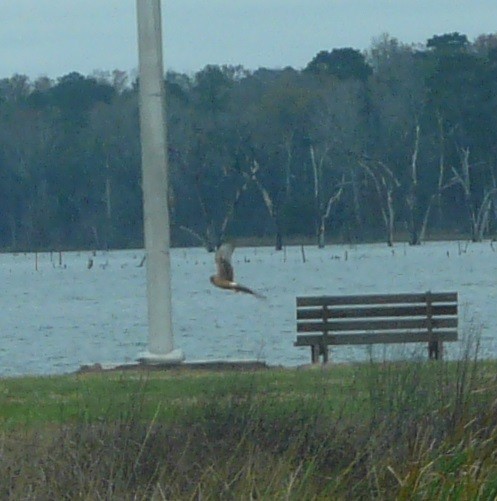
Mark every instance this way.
x=272 y=206
x=412 y=196
x=213 y=237
x=436 y=197
x=108 y=200
x=417 y=229
x=324 y=215
x=356 y=202
x=230 y=212
x=441 y=165
x=209 y=239
x=197 y=236
x=322 y=209
x=385 y=184
x=316 y=176
x=478 y=218
x=415 y=236
x=109 y=232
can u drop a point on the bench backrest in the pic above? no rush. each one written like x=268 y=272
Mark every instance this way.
x=380 y=318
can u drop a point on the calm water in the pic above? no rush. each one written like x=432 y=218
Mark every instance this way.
x=59 y=317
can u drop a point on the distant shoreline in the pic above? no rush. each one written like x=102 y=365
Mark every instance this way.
x=264 y=242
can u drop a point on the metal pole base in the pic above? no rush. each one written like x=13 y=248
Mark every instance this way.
x=172 y=358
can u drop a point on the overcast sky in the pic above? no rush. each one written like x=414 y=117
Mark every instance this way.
x=54 y=37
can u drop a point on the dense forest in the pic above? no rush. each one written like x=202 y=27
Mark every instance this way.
x=398 y=142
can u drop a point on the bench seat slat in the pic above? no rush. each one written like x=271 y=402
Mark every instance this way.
x=377 y=338
x=446 y=297
x=376 y=311
x=375 y=325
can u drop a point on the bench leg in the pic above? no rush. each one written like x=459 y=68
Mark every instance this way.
x=435 y=350
x=315 y=353
x=325 y=353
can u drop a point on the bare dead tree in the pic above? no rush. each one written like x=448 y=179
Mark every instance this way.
x=230 y=212
x=442 y=183
x=272 y=205
x=435 y=198
x=212 y=236
x=417 y=231
x=288 y=149
x=323 y=205
x=483 y=213
x=209 y=234
x=478 y=216
x=412 y=196
x=385 y=183
x=334 y=198
x=197 y=236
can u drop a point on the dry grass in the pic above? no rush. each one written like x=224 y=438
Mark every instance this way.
x=411 y=430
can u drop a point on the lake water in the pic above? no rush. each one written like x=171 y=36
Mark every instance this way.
x=57 y=318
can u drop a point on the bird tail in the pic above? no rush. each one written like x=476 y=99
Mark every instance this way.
x=242 y=288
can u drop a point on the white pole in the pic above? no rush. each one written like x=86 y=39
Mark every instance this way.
x=155 y=185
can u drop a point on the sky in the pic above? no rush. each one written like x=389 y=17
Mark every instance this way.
x=55 y=37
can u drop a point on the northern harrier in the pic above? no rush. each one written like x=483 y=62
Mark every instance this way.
x=225 y=275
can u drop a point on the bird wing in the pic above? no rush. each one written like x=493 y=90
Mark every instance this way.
x=223 y=262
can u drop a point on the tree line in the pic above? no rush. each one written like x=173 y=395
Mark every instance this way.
x=397 y=142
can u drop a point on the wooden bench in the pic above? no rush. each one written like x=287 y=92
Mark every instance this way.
x=429 y=318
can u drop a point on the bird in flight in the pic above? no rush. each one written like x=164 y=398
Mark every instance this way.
x=224 y=277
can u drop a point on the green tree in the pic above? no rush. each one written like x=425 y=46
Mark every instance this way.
x=346 y=63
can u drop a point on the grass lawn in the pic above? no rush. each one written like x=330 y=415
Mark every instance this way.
x=34 y=401
x=397 y=430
